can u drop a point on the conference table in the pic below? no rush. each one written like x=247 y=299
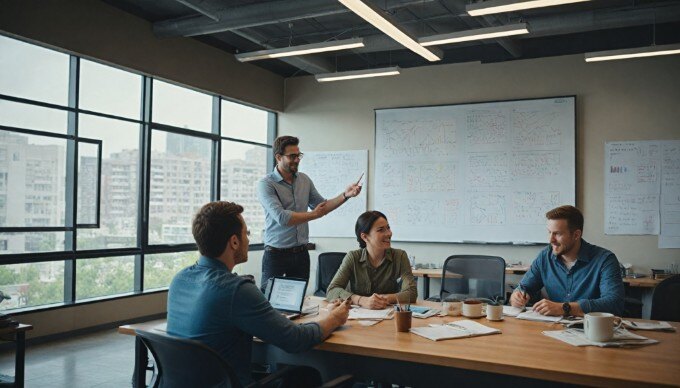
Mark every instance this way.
x=520 y=355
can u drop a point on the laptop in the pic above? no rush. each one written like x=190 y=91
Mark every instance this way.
x=287 y=295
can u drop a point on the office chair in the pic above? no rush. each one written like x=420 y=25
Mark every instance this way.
x=472 y=276
x=329 y=262
x=183 y=362
x=666 y=300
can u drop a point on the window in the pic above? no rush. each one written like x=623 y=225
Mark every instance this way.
x=109 y=90
x=181 y=107
x=33 y=72
x=97 y=189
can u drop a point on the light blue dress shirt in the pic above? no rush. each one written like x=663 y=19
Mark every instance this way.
x=594 y=281
x=210 y=304
x=279 y=200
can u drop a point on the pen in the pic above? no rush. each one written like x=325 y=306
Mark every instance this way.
x=359 y=180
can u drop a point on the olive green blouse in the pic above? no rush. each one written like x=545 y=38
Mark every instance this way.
x=357 y=276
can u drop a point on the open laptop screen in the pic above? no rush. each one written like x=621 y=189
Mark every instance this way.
x=288 y=294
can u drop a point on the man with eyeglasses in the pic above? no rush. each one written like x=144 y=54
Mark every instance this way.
x=287 y=196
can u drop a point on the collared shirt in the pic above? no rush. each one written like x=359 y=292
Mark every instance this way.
x=365 y=280
x=210 y=304
x=594 y=281
x=279 y=200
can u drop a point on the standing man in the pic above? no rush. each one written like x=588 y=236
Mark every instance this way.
x=579 y=277
x=286 y=196
x=209 y=303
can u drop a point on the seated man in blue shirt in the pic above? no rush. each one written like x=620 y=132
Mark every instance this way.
x=209 y=303
x=579 y=277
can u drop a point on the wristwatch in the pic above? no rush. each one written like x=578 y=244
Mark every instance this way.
x=566 y=308
x=345 y=197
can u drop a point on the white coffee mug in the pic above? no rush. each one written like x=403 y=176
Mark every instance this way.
x=453 y=309
x=599 y=327
x=472 y=308
x=494 y=313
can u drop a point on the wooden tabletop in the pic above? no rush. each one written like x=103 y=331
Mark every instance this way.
x=436 y=273
x=642 y=282
x=521 y=350
x=15 y=329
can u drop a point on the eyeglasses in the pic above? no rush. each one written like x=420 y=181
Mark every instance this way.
x=295 y=156
x=248 y=232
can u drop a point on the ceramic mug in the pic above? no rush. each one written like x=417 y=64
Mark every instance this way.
x=599 y=327
x=494 y=313
x=453 y=308
x=472 y=308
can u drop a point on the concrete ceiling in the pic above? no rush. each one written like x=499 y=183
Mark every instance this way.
x=239 y=26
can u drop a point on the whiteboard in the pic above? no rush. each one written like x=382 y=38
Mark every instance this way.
x=332 y=172
x=475 y=173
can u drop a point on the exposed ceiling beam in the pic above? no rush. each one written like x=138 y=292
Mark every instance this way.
x=309 y=63
x=198 y=6
x=258 y=14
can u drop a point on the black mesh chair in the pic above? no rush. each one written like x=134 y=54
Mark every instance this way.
x=666 y=300
x=329 y=262
x=472 y=276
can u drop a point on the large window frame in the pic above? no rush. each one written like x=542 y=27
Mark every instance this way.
x=71 y=253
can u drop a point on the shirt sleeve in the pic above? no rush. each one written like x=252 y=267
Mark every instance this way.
x=409 y=287
x=314 y=197
x=611 y=298
x=532 y=282
x=338 y=286
x=254 y=315
x=271 y=203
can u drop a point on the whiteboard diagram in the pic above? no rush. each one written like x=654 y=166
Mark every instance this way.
x=331 y=173
x=483 y=172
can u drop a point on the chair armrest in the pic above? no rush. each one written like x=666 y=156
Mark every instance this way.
x=271 y=378
x=339 y=382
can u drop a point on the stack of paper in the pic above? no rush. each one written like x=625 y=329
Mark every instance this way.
x=654 y=326
x=372 y=315
x=531 y=315
x=512 y=311
x=622 y=338
x=458 y=329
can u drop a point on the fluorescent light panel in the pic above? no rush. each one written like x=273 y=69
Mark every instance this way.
x=498 y=6
x=301 y=50
x=639 y=52
x=379 y=20
x=345 y=75
x=476 y=34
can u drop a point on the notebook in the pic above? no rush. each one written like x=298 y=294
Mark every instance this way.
x=287 y=295
x=451 y=330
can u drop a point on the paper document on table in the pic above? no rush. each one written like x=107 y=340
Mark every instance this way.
x=531 y=315
x=622 y=338
x=651 y=325
x=423 y=312
x=452 y=330
x=512 y=311
x=362 y=313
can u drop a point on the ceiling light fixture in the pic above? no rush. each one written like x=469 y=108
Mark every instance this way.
x=304 y=49
x=345 y=75
x=381 y=21
x=639 y=52
x=476 y=34
x=498 y=6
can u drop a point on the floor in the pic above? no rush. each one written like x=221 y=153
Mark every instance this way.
x=103 y=359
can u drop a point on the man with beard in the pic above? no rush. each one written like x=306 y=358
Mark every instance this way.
x=578 y=277
x=286 y=196
x=209 y=303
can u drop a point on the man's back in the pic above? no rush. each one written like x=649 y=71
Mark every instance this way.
x=208 y=303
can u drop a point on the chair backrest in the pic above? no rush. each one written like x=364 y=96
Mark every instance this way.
x=473 y=276
x=666 y=300
x=329 y=262
x=187 y=363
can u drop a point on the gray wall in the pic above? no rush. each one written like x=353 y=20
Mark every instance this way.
x=621 y=100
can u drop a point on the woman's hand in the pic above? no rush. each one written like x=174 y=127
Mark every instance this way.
x=374 y=302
